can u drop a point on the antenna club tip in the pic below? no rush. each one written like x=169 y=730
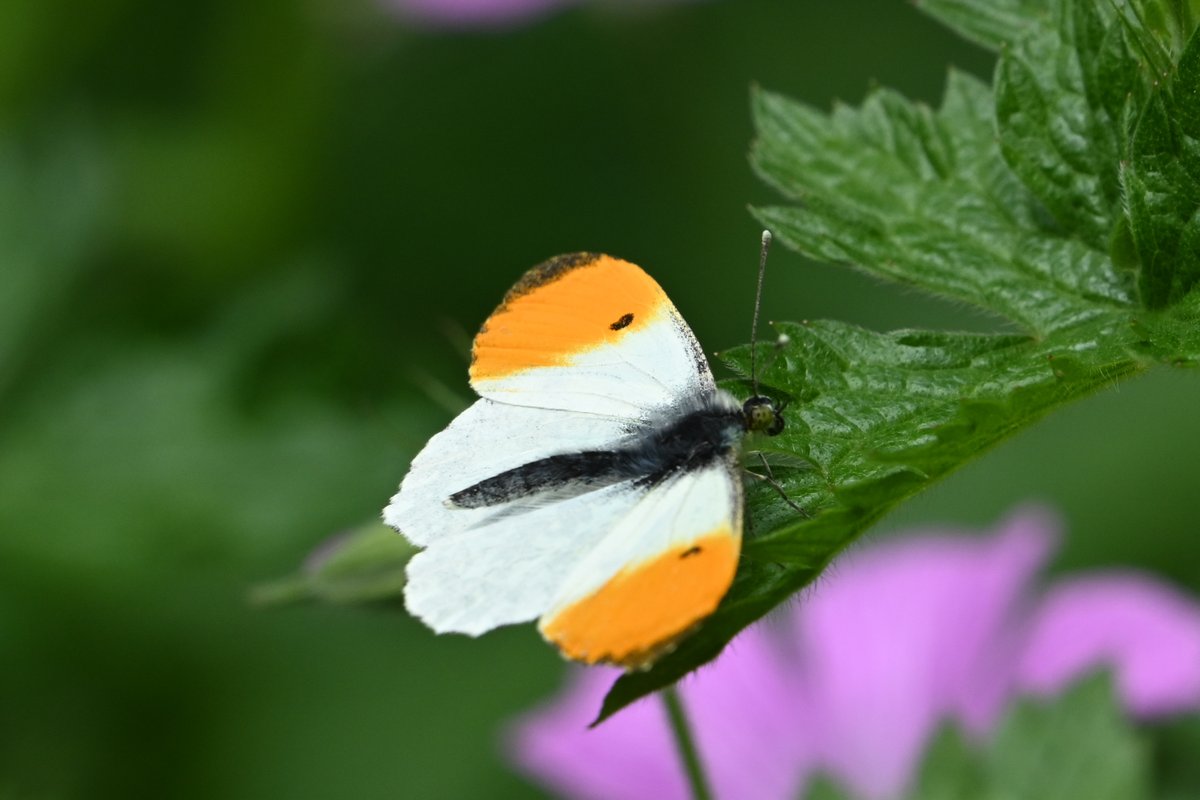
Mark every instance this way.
x=766 y=236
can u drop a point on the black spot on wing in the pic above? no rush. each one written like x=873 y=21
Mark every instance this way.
x=623 y=322
x=691 y=551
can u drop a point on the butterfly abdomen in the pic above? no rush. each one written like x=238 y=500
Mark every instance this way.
x=577 y=471
x=687 y=441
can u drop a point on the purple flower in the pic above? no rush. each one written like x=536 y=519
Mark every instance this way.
x=853 y=679
x=471 y=13
x=480 y=13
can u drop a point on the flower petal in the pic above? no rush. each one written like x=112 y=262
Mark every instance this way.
x=852 y=681
x=903 y=635
x=469 y=13
x=742 y=710
x=631 y=756
x=1146 y=632
x=749 y=719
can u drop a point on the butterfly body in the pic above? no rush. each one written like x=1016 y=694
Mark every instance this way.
x=684 y=439
x=595 y=486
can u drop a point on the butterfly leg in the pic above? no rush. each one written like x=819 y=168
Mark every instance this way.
x=769 y=479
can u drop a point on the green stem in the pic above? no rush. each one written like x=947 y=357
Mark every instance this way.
x=687 y=745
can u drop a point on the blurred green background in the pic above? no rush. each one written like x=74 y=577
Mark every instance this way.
x=242 y=247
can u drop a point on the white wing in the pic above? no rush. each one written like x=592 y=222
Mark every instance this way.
x=508 y=569
x=485 y=440
x=616 y=575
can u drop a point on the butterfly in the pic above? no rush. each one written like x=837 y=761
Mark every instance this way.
x=596 y=484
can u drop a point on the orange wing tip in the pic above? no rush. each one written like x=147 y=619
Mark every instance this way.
x=568 y=305
x=643 y=612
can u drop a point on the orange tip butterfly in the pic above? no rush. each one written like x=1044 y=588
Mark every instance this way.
x=596 y=484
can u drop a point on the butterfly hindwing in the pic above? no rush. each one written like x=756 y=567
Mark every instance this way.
x=616 y=575
x=509 y=567
x=660 y=570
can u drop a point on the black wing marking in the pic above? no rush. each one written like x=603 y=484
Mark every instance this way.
x=689 y=442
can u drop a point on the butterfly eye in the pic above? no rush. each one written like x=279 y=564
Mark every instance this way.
x=776 y=426
x=761 y=416
x=623 y=322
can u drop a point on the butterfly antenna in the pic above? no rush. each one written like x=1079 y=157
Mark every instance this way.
x=762 y=269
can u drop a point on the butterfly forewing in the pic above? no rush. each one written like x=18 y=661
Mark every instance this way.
x=588 y=333
x=486 y=440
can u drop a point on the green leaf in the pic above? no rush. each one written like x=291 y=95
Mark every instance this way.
x=925 y=198
x=990 y=24
x=1096 y=110
x=1162 y=185
x=1060 y=96
x=950 y=769
x=822 y=787
x=1161 y=28
x=1172 y=336
x=878 y=417
x=1076 y=745
x=1079 y=745
x=357 y=566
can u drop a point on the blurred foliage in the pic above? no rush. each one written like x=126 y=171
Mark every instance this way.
x=237 y=245
x=355 y=566
x=1078 y=746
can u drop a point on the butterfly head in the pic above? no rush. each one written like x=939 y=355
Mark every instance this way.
x=761 y=415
